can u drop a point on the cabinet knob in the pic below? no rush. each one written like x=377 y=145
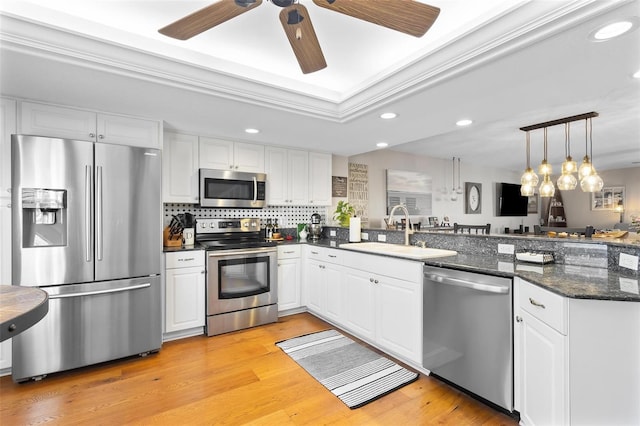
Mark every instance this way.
x=375 y=281
x=370 y=280
x=518 y=318
x=236 y=167
x=203 y=271
x=92 y=135
x=100 y=136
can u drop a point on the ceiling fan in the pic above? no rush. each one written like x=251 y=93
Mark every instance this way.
x=407 y=16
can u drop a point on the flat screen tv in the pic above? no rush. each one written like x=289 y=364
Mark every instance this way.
x=509 y=200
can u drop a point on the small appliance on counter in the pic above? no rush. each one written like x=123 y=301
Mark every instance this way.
x=315 y=227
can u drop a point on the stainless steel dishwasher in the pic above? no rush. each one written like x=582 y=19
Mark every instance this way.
x=468 y=332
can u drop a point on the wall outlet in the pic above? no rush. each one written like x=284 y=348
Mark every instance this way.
x=332 y=232
x=628 y=261
x=382 y=238
x=364 y=235
x=506 y=248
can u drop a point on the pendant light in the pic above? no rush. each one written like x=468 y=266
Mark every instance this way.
x=454 y=195
x=529 y=179
x=585 y=167
x=592 y=182
x=567 y=181
x=459 y=190
x=545 y=167
x=547 y=189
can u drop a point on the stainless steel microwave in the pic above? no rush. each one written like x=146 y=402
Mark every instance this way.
x=225 y=188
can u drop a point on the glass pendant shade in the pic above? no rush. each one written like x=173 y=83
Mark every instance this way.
x=567 y=182
x=544 y=168
x=569 y=166
x=546 y=188
x=585 y=168
x=592 y=183
x=529 y=177
x=527 y=190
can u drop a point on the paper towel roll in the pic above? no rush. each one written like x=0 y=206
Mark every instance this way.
x=354 y=230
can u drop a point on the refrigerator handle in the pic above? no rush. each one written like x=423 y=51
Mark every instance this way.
x=99 y=213
x=87 y=212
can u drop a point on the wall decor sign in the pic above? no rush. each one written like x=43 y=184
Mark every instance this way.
x=358 y=184
x=472 y=198
x=608 y=199
x=413 y=189
x=338 y=186
x=532 y=206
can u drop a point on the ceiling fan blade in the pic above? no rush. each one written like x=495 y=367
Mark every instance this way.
x=407 y=16
x=207 y=18
x=302 y=37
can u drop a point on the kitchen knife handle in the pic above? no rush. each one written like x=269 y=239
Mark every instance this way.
x=87 y=212
x=99 y=213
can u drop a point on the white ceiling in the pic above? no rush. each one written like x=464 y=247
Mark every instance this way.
x=504 y=64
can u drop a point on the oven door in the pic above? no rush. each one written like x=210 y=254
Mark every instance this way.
x=241 y=279
x=224 y=188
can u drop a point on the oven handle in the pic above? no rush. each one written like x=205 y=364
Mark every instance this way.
x=263 y=250
x=255 y=189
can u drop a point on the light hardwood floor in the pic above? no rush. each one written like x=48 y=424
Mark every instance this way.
x=235 y=378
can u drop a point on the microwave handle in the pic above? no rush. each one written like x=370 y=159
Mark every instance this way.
x=255 y=189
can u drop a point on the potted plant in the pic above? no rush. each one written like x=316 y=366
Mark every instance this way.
x=343 y=213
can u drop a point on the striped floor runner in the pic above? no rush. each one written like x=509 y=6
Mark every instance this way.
x=352 y=372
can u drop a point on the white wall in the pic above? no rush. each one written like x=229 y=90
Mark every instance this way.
x=441 y=172
x=578 y=203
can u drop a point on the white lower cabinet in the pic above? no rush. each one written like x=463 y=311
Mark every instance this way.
x=185 y=292
x=377 y=298
x=289 y=277
x=576 y=360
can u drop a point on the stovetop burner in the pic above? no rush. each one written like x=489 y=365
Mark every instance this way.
x=230 y=234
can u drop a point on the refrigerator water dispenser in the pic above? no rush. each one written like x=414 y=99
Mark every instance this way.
x=44 y=217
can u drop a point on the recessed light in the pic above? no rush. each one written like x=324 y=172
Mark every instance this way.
x=382 y=144
x=252 y=130
x=614 y=29
x=637 y=74
x=464 y=122
x=388 y=115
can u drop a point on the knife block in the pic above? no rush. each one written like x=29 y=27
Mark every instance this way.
x=174 y=241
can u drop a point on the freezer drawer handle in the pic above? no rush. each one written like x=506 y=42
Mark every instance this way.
x=92 y=293
x=469 y=284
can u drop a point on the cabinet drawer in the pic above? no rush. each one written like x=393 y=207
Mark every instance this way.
x=548 y=307
x=407 y=270
x=289 y=251
x=184 y=259
x=324 y=254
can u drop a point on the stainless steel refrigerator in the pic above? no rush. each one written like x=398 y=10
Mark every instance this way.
x=87 y=228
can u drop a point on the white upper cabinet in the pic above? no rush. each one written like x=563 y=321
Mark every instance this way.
x=70 y=123
x=225 y=155
x=7 y=127
x=297 y=177
x=180 y=168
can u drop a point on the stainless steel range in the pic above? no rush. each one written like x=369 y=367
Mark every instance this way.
x=241 y=274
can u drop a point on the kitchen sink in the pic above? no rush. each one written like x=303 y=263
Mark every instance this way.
x=410 y=252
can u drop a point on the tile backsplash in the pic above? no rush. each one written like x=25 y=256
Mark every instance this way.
x=288 y=216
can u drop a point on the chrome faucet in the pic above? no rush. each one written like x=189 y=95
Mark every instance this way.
x=407 y=230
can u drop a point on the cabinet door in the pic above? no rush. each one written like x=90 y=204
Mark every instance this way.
x=5 y=354
x=248 y=157
x=298 y=186
x=334 y=297
x=130 y=131
x=398 y=317
x=289 y=275
x=216 y=154
x=276 y=168
x=7 y=128
x=57 y=122
x=184 y=298
x=359 y=297
x=315 y=288
x=180 y=168
x=319 y=179
x=543 y=373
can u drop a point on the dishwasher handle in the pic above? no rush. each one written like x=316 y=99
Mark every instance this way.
x=500 y=289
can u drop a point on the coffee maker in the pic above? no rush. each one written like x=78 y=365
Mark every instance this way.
x=315 y=228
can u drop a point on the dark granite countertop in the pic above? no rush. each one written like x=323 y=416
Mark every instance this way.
x=578 y=282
